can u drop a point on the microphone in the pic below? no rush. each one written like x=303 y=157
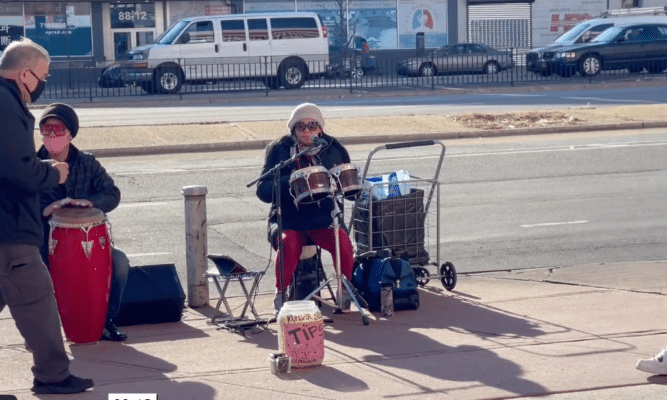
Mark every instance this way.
x=319 y=141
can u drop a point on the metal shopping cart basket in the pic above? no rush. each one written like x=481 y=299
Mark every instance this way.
x=400 y=212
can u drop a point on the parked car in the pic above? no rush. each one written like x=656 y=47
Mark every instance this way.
x=468 y=57
x=633 y=47
x=351 y=62
x=111 y=77
x=583 y=32
x=279 y=49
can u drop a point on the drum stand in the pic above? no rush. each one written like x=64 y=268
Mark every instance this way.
x=340 y=279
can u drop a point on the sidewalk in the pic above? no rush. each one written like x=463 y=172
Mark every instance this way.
x=570 y=333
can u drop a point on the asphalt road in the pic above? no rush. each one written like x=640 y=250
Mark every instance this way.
x=251 y=107
x=505 y=203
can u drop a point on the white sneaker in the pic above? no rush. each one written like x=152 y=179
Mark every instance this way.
x=657 y=365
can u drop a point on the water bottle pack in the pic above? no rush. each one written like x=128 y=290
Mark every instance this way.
x=387 y=186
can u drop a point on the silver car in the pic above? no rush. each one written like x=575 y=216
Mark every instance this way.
x=467 y=57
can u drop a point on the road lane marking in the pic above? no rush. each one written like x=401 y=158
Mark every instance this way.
x=144 y=204
x=553 y=224
x=514 y=94
x=148 y=254
x=605 y=99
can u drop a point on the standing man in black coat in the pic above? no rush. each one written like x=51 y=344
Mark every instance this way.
x=25 y=283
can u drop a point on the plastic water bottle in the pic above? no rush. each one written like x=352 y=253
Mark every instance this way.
x=386 y=300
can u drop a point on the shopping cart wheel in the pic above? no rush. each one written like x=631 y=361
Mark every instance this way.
x=448 y=275
x=422 y=275
x=365 y=320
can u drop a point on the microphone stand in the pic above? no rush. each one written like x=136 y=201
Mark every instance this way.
x=277 y=173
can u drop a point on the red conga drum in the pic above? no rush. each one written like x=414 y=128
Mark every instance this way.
x=80 y=266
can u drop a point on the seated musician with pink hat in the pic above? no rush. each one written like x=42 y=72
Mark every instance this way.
x=88 y=185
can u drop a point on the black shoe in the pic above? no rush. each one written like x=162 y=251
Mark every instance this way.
x=112 y=333
x=71 y=384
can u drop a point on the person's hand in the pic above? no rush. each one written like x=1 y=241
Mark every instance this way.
x=66 y=202
x=63 y=169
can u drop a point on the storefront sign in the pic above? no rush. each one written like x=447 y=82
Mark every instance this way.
x=429 y=17
x=552 y=18
x=132 y=15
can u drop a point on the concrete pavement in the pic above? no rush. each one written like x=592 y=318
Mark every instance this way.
x=573 y=332
x=567 y=333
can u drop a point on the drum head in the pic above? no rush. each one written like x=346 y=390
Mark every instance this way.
x=77 y=215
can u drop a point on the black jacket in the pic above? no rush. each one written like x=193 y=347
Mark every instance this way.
x=306 y=216
x=22 y=174
x=87 y=179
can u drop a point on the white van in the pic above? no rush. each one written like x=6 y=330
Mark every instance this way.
x=585 y=32
x=281 y=49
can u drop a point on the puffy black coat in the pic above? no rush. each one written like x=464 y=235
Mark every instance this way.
x=306 y=216
x=87 y=179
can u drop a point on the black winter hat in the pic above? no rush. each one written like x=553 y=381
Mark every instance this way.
x=64 y=113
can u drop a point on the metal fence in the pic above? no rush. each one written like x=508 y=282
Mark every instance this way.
x=353 y=73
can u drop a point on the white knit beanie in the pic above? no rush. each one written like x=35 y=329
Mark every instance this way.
x=306 y=110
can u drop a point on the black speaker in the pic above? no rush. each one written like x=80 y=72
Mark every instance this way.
x=153 y=295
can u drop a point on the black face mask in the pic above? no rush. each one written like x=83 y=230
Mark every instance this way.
x=41 y=84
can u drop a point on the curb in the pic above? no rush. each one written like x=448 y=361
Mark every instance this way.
x=261 y=144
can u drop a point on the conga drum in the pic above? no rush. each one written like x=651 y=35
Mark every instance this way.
x=80 y=267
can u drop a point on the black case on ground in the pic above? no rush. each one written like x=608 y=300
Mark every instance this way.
x=153 y=295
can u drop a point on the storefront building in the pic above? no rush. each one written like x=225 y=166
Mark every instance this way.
x=83 y=33
x=100 y=32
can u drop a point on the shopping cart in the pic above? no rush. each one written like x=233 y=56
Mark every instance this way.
x=399 y=212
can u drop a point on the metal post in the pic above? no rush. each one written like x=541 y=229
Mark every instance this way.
x=196 y=244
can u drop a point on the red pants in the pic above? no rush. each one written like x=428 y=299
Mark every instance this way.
x=293 y=242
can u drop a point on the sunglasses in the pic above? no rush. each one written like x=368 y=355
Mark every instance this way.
x=300 y=126
x=59 y=130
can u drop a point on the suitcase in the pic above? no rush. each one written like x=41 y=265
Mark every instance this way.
x=153 y=295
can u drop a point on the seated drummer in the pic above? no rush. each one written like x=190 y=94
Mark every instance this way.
x=307 y=221
x=88 y=185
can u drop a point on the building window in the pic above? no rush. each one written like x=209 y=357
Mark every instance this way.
x=62 y=28
x=11 y=23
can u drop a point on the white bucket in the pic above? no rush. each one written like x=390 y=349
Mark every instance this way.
x=301 y=333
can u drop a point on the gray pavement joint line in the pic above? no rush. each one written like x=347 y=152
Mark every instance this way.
x=573 y=391
x=267 y=389
x=244 y=130
x=121 y=364
x=555 y=282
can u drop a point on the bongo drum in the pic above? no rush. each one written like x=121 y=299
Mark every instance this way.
x=347 y=178
x=310 y=184
x=80 y=266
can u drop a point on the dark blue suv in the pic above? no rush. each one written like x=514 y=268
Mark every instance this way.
x=632 y=47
